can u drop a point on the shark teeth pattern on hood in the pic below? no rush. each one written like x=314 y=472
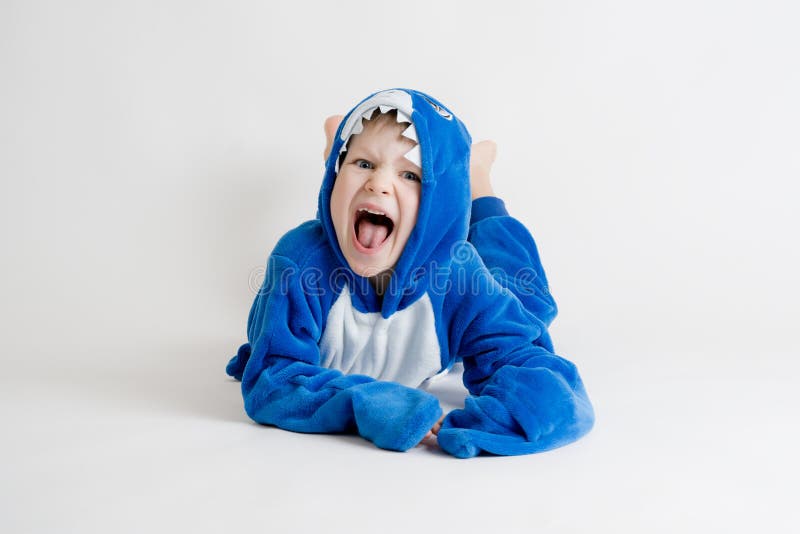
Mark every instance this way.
x=385 y=101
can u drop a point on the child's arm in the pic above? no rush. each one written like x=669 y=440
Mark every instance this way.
x=509 y=252
x=523 y=398
x=284 y=385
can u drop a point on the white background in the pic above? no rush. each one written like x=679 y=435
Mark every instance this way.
x=152 y=152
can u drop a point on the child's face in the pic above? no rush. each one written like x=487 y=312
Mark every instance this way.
x=375 y=176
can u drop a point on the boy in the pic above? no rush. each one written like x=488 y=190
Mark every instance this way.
x=383 y=291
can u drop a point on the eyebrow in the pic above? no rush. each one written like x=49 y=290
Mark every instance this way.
x=366 y=153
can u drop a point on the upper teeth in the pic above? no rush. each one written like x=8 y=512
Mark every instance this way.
x=370 y=211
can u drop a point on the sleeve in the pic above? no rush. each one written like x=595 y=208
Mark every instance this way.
x=284 y=385
x=509 y=252
x=523 y=398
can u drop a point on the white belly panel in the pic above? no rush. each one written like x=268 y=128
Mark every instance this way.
x=402 y=348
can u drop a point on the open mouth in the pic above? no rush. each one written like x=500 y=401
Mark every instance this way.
x=372 y=229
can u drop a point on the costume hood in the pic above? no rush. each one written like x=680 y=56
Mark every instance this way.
x=442 y=152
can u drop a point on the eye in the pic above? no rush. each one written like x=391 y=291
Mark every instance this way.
x=363 y=164
x=408 y=175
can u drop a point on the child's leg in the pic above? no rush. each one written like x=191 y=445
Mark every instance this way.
x=504 y=244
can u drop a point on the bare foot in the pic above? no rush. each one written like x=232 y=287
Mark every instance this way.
x=480 y=166
x=331 y=124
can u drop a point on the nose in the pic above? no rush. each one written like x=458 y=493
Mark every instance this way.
x=379 y=183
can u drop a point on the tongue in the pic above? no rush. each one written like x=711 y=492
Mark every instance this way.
x=371 y=235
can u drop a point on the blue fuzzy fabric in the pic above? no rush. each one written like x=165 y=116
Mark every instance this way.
x=523 y=398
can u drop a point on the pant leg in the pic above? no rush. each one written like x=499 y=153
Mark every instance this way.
x=509 y=251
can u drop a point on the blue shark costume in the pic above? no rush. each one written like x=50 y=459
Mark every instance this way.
x=327 y=353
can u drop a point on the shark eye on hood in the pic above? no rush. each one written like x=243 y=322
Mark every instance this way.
x=439 y=109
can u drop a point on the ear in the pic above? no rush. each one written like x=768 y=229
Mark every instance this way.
x=331 y=125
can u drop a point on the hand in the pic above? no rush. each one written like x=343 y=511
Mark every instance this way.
x=430 y=437
x=482 y=156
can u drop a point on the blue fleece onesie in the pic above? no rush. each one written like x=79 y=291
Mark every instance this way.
x=327 y=353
